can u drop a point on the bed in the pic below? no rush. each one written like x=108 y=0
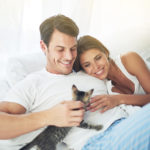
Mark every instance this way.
x=20 y=66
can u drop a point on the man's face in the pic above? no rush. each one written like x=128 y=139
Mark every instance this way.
x=61 y=53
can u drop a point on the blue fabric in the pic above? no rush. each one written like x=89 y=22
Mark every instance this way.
x=132 y=133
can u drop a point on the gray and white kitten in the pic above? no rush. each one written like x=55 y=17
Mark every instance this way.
x=52 y=135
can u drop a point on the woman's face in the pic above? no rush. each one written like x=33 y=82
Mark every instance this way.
x=95 y=63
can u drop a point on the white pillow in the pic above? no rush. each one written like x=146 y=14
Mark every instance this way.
x=4 y=87
x=19 y=67
x=145 y=54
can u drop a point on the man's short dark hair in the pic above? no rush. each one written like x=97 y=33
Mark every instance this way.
x=61 y=23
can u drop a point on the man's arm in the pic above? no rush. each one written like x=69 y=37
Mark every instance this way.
x=14 y=123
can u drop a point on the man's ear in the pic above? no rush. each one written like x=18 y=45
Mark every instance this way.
x=43 y=46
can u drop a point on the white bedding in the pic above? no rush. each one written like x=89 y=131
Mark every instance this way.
x=4 y=87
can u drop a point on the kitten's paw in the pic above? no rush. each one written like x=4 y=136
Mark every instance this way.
x=35 y=148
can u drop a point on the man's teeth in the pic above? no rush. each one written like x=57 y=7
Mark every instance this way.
x=66 y=63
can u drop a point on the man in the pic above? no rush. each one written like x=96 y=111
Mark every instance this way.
x=47 y=93
x=59 y=43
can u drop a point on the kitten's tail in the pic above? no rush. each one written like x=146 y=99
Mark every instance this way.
x=89 y=126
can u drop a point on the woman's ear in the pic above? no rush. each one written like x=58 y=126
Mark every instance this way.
x=43 y=46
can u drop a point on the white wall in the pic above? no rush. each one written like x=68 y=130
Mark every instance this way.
x=20 y=21
x=122 y=25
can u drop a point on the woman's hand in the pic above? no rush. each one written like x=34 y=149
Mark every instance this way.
x=103 y=102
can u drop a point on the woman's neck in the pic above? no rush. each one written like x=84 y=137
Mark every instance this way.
x=113 y=71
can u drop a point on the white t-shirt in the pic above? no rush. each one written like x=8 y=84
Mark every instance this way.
x=42 y=90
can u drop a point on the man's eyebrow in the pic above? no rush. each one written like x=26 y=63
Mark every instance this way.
x=75 y=45
x=63 y=46
x=60 y=46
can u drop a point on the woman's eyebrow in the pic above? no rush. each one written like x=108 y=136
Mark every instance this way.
x=98 y=55
x=85 y=63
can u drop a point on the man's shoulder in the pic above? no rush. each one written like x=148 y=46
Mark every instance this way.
x=33 y=78
x=37 y=74
x=83 y=75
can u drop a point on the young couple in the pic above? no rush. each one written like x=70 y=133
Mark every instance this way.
x=128 y=75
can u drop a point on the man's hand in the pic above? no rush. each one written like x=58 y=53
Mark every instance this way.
x=65 y=114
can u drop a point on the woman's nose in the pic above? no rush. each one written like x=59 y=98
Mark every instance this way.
x=95 y=66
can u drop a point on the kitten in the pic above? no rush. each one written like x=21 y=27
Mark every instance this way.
x=52 y=135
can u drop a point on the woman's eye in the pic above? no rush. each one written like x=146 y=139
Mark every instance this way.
x=87 y=65
x=98 y=57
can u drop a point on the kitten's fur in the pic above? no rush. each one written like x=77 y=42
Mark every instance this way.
x=52 y=135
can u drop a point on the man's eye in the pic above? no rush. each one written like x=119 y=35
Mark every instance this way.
x=60 y=50
x=73 y=49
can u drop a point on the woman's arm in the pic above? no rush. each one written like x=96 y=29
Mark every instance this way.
x=136 y=66
x=109 y=101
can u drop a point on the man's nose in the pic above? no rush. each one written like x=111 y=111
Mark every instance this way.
x=68 y=55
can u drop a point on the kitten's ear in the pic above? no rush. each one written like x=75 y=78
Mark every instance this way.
x=74 y=92
x=91 y=91
x=74 y=88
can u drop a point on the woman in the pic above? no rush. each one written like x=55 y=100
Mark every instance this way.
x=127 y=75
